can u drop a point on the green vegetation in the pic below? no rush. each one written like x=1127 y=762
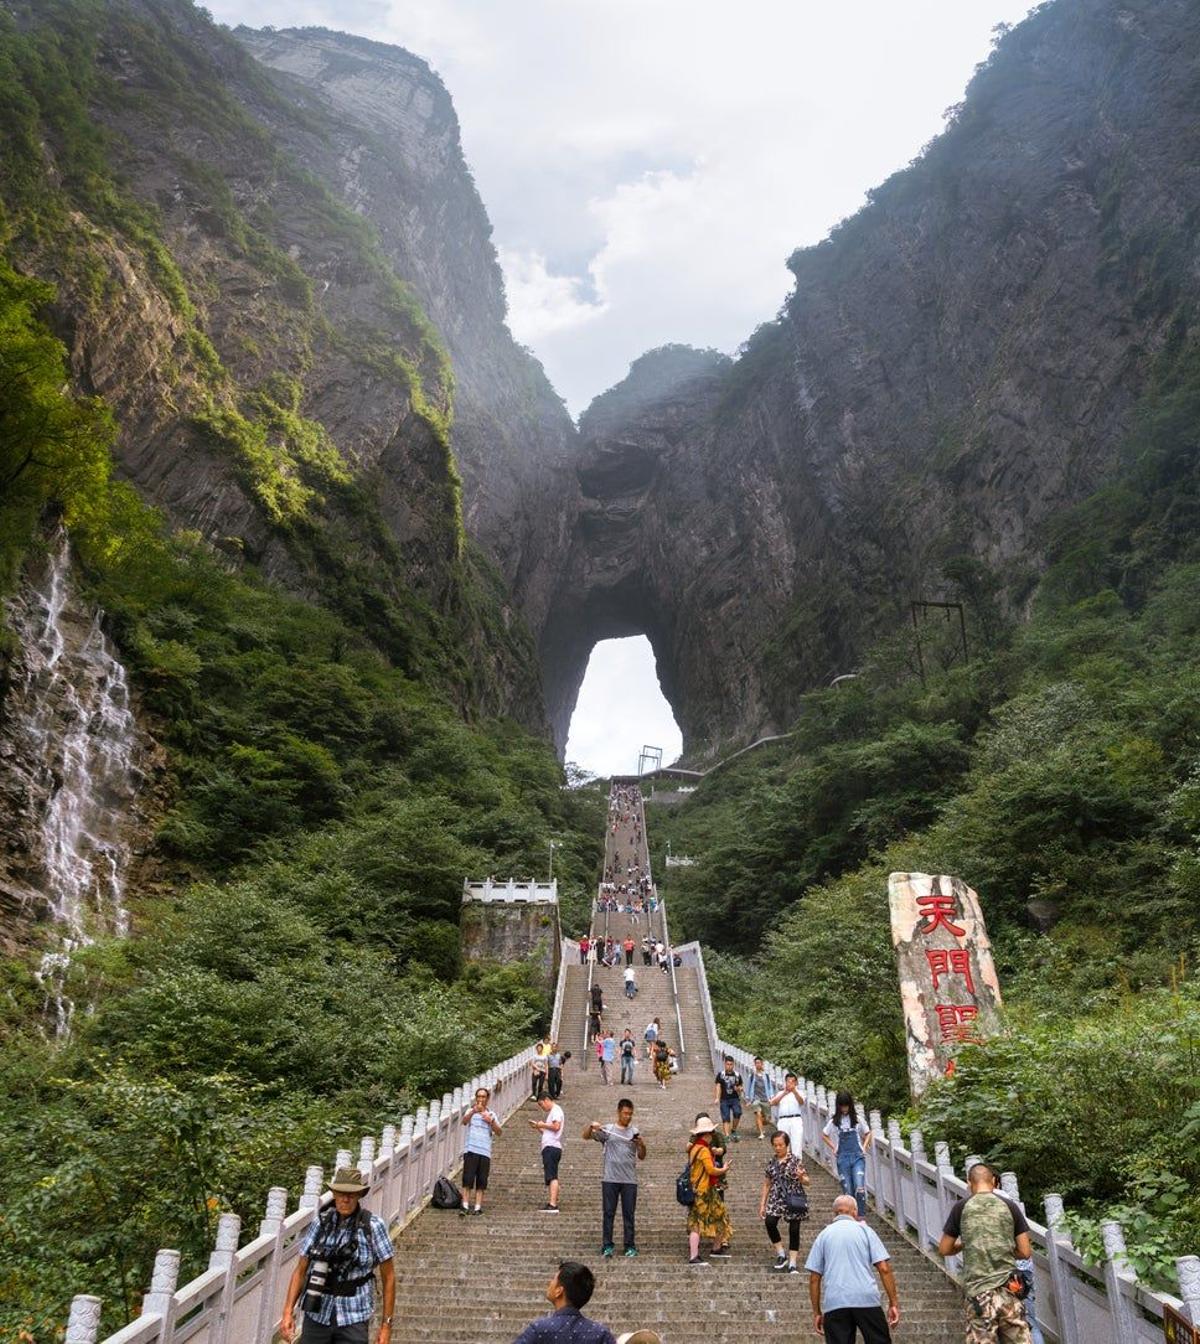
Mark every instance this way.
x=1060 y=765
x=296 y=978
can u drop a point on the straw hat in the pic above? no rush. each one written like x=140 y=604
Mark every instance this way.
x=703 y=1126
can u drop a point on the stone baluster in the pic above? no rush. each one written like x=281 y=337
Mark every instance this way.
x=1117 y=1275
x=1187 y=1270
x=968 y=1164
x=387 y=1146
x=945 y=1173
x=83 y=1324
x=271 y=1226
x=916 y=1146
x=1060 y=1272
x=895 y=1143
x=404 y=1156
x=366 y=1156
x=314 y=1179
x=163 y=1279
x=229 y=1229
x=343 y=1158
x=276 y=1211
x=224 y=1257
x=1009 y=1186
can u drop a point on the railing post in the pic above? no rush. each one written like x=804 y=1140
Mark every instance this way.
x=83 y=1324
x=163 y=1280
x=271 y=1225
x=1187 y=1270
x=342 y=1158
x=1116 y=1275
x=875 y=1124
x=314 y=1179
x=916 y=1146
x=224 y=1255
x=895 y=1143
x=405 y=1157
x=1060 y=1272
x=945 y=1170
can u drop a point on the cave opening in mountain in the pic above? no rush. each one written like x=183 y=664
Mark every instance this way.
x=620 y=709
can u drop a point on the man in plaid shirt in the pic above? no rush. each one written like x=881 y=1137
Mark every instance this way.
x=352 y=1242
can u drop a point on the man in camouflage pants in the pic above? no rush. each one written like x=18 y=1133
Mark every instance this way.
x=991 y=1232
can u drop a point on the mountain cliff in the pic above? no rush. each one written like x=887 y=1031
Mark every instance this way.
x=283 y=286
x=958 y=363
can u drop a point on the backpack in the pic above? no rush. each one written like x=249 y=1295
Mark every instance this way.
x=446 y=1195
x=627 y=1049
x=685 y=1191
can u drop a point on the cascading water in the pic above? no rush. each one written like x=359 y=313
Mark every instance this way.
x=79 y=730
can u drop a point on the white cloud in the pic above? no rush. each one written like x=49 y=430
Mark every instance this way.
x=649 y=164
x=540 y=303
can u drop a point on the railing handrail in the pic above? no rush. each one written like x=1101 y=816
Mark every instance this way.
x=666 y=933
x=915 y=1196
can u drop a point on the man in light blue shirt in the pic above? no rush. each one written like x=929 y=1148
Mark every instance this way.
x=841 y=1280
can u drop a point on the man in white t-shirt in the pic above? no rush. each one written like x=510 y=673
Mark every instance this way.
x=630 y=982
x=551 y=1127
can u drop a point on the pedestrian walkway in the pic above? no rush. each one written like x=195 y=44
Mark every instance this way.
x=474 y=1280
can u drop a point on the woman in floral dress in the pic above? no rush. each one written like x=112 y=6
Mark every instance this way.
x=707 y=1215
x=783 y=1186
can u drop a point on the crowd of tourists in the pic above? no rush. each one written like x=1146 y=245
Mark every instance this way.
x=847 y=1263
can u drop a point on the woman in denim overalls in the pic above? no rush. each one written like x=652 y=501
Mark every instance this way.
x=848 y=1138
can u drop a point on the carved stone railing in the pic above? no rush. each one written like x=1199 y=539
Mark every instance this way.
x=1077 y=1302
x=239 y=1297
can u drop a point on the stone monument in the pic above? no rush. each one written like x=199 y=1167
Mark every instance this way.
x=948 y=983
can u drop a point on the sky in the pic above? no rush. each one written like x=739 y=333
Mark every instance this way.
x=649 y=165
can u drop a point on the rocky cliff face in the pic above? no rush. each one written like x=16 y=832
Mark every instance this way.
x=397 y=159
x=281 y=280
x=958 y=362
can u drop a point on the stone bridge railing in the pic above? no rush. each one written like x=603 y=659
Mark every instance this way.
x=239 y=1298
x=1077 y=1302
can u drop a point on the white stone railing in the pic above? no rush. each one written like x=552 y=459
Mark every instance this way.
x=568 y=955
x=239 y=1298
x=511 y=892
x=1076 y=1302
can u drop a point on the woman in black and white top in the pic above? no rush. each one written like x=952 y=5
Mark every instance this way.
x=784 y=1196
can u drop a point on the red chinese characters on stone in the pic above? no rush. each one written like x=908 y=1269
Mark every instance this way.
x=950 y=961
x=938 y=910
x=955 y=1020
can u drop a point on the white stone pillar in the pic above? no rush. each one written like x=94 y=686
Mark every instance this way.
x=229 y=1229
x=163 y=1280
x=276 y=1211
x=83 y=1324
x=1116 y=1275
x=916 y=1146
x=1187 y=1269
x=1008 y=1184
x=366 y=1156
x=387 y=1145
x=343 y=1158
x=1060 y=1271
x=314 y=1179
x=895 y=1143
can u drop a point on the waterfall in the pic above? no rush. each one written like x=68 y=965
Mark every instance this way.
x=77 y=726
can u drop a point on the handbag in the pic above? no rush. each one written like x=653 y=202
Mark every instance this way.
x=795 y=1205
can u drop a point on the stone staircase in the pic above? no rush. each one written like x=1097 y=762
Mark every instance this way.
x=473 y=1280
